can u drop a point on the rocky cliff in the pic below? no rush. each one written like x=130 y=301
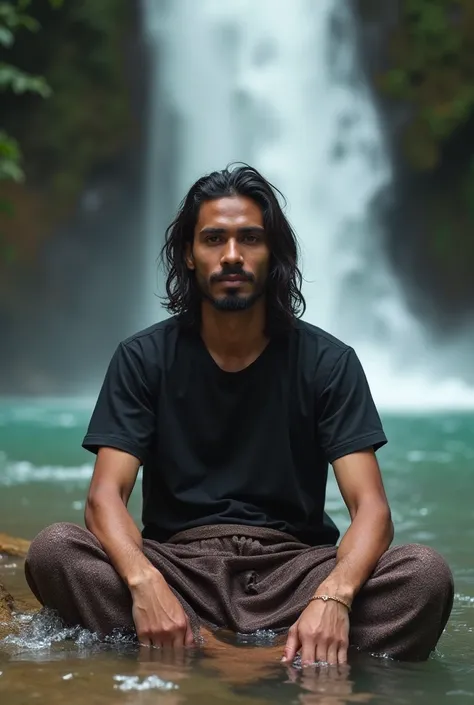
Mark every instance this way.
x=419 y=56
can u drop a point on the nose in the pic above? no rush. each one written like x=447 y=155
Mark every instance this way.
x=231 y=253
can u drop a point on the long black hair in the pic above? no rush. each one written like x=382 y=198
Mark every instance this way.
x=284 y=299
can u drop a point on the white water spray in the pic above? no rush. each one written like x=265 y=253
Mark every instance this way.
x=278 y=84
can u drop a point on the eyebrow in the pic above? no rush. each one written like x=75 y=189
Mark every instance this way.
x=220 y=231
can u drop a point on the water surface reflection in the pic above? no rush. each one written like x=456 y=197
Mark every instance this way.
x=46 y=661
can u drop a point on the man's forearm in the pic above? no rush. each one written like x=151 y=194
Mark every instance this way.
x=109 y=520
x=368 y=537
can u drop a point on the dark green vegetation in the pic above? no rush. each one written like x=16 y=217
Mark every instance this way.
x=431 y=67
x=426 y=76
x=55 y=130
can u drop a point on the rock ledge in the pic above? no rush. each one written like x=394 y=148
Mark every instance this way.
x=13 y=546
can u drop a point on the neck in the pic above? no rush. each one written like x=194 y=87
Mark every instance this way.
x=236 y=334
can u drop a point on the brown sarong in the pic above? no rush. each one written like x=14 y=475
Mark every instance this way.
x=244 y=579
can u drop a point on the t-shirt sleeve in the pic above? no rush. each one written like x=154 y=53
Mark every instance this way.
x=123 y=416
x=348 y=420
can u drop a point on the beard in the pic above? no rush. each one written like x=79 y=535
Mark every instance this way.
x=232 y=300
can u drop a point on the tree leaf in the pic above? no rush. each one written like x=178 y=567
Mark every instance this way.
x=10 y=158
x=11 y=170
x=9 y=147
x=6 y=37
x=23 y=4
x=21 y=82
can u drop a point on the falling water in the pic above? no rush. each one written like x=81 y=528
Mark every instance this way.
x=278 y=84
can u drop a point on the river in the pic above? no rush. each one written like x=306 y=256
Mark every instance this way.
x=44 y=474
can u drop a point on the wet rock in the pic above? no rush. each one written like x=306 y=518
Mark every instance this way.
x=13 y=546
x=10 y=546
x=7 y=605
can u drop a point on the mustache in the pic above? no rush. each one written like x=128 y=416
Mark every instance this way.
x=237 y=271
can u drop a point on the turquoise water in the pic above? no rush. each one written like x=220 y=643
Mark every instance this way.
x=428 y=468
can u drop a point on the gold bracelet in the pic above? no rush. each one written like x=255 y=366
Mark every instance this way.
x=330 y=597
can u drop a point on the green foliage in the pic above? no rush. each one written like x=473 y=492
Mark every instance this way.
x=20 y=82
x=88 y=117
x=432 y=68
x=10 y=157
x=13 y=18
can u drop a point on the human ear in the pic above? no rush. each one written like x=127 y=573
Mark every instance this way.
x=189 y=259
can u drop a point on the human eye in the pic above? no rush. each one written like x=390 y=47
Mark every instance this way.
x=252 y=238
x=213 y=239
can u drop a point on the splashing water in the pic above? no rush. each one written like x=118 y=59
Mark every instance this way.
x=45 y=629
x=127 y=683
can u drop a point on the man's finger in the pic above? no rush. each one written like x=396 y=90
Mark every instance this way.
x=291 y=647
x=308 y=649
x=162 y=639
x=144 y=640
x=178 y=640
x=322 y=651
x=189 y=636
x=332 y=655
x=342 y=655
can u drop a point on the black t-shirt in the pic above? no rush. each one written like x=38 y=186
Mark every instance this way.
x=249 y=447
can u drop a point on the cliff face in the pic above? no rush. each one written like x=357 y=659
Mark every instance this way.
x=420 y=58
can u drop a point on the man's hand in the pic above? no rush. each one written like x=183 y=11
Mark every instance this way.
x=158 y=615
x=321 y=634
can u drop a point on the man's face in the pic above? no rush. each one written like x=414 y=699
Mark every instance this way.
x=230 y=253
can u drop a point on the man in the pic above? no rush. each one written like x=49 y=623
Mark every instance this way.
x=235 y=408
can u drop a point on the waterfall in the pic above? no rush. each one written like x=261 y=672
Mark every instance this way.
x=278 y=84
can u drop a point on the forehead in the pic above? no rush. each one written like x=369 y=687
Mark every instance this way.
x=232 y=211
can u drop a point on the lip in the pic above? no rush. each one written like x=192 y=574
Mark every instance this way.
x=234 y=278
x=233 y=283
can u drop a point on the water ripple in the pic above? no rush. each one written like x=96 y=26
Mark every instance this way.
x=464 y=599
x=24 y=472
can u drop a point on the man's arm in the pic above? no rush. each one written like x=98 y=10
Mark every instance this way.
x=106 y=514
x=322 y=631
x=158 y=616
x=371 y=531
